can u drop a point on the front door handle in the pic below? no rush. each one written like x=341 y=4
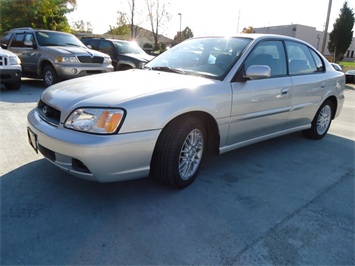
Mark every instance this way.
x=284 y=91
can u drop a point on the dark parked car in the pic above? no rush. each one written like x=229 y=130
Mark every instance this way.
x=336 y=67
x=124 y=54
x=350 y=76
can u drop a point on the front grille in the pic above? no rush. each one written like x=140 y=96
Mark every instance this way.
x=3 y=60
x=91 y=60
x=48 y=113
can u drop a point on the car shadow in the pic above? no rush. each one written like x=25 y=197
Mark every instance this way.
x=30 y=91
x=46 y=211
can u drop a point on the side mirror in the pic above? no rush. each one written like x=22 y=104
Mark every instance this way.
x=258 y=72
x=89 y=46
x=4 y=46
x=30 y=44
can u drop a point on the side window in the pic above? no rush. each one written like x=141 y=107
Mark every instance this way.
x=18 y=40
x=6 y=38
x=270 y=53
x=29 y=38
x=107 y=48
x=94 y=44
x=318 y=61
x=300 y=59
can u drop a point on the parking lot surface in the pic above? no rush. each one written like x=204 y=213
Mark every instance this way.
x=289 y=200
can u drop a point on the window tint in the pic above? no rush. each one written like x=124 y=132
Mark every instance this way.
x=29 y=37
x=52 y=38
x=6 y=38
x=300 y=59
x=107 y=48
x=208 y=57
x=94 y=44
x=318 y=61
x=270 y=53
x=18 y=41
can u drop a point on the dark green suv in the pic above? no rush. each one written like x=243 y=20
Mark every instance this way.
x=124 y=54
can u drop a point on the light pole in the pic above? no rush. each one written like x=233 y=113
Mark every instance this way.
x=180 y=21
x=326 y=27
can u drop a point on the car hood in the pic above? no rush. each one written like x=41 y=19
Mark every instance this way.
x=73 y=50
x=116 y=88
x=140 y=57
x=7 y=52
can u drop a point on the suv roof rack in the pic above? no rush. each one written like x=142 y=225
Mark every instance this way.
x=99 y=38
x=22 y=28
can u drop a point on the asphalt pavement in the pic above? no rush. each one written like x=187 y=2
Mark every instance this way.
x=286 y=201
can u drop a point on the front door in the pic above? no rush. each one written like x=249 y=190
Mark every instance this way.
x=261 y=107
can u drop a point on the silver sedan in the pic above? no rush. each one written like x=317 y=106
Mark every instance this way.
x=210 y=95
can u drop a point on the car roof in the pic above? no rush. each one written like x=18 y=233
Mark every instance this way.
x=256 y=36
x=107 y=39
x=37 y=30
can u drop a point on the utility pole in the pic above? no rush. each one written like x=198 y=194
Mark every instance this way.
x=238 y=22
x=180 y=21
x=326 y=27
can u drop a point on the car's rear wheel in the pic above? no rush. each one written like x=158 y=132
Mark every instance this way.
x=321 y=122
x=50 y=76
x=179 y=152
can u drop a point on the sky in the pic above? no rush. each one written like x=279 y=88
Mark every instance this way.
x=216 y=17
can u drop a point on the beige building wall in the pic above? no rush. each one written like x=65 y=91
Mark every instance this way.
x=307 y=34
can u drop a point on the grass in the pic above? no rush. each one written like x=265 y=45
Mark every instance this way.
x=347 y=65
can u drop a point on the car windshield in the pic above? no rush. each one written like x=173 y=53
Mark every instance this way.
x=209 y=57
x=128 y=48
x=47 y=38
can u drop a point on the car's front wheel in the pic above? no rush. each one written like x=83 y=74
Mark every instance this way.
x=179 y=152
x=321 y=121
x=50 y=76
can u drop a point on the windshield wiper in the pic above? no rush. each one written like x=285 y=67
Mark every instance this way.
x=73 y=44
x=168 y=69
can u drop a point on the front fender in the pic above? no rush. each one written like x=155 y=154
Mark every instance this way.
x=155 y=111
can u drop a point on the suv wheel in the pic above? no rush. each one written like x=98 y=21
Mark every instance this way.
x=50 y=77
x=13 y=86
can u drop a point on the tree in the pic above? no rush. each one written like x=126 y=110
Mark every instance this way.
x=122 y=29
x=157 y=13
x=127 y=20
x=43 y=14
x=341 y=36
x=182 y=36
x=249 y=29
x=81 y=26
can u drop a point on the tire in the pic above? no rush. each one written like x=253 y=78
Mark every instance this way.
x=50 y=76
x=179 y=152
x=321 y=121
x=13 y=86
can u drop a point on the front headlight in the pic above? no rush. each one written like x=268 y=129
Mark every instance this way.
x=14 y=60
x=67 y=59
x=95 y=120
x=107 y=60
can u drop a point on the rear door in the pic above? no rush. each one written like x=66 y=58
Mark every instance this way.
x=309 y=78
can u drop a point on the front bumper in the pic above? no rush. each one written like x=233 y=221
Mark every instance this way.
x=10 y=75
x=100 y=158
x=68 y=71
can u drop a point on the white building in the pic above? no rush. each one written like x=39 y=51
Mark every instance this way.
x=307 y=34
